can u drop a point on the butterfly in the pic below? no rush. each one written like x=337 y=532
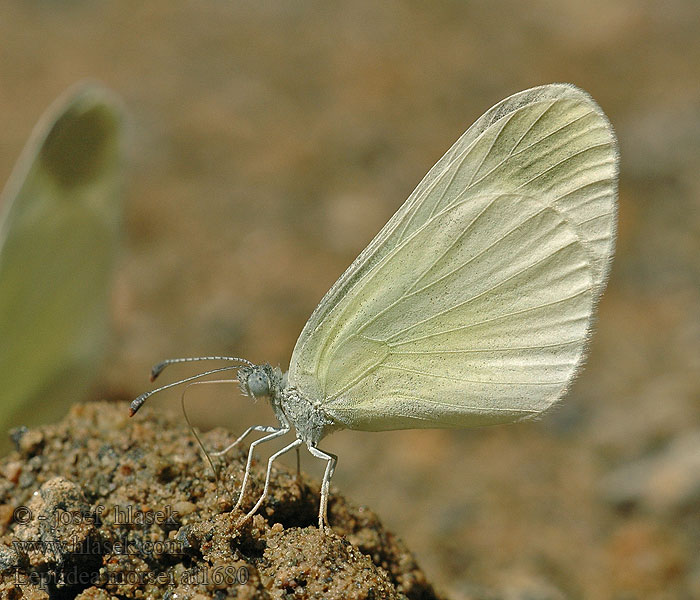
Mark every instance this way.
x=473 y=305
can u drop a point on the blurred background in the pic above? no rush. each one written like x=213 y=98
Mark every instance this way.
x=269 y=142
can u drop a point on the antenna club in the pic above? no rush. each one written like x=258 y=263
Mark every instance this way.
x=158 y=369
x=137 y=403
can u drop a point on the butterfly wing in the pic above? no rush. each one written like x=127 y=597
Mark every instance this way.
x=58 y=242
x=473 y=304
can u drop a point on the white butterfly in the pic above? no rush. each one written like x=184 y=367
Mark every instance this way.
x=473 y=305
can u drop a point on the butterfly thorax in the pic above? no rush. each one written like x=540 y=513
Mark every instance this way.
x=310 y=420
x=289 y=404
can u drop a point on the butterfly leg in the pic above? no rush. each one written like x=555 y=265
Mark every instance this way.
x=262 y=428
x=283 y=429
x=331 y=460
x=276 y=455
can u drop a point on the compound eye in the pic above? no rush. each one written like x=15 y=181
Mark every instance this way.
x=259 y=384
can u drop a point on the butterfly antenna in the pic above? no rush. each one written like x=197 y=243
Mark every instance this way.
x=138 y=402
x=158 y=369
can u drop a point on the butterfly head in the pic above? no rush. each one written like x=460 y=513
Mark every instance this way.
x=261 y=381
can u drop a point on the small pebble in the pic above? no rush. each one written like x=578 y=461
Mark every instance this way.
x=11 y=471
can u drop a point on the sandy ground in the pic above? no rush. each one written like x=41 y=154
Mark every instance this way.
x=268 y=144
x=89 y=511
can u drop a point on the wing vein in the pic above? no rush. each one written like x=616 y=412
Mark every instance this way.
x=464 y=264
x=465 y=380
x=565 y=160
x=558 y=130
x=461 y=406
x=510 y=155
x=488 y=290
x=492 y=320
x=487 y=350
x=507 y=119
x=530 y=127
x=408 y=292
x=600 y=216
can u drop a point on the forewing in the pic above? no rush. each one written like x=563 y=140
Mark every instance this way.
x=481 y=316
x=553 y=143
x=548 y=149
x=58 y=243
